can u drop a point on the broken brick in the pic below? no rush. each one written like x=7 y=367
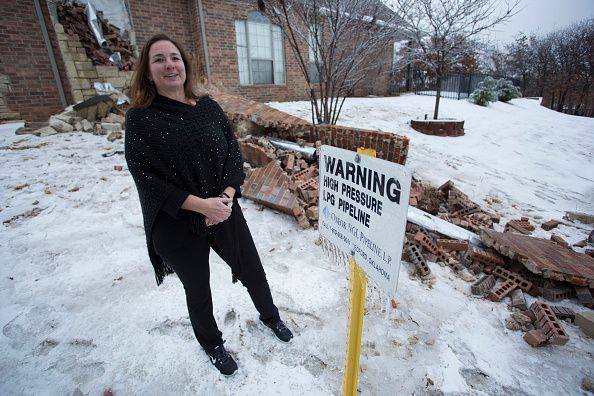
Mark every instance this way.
x=559 y=241
x=290 y=161
x=549 y=225
x=518 y=300
x=501 y=290
x=484 y=257
x=466 y=211
x=523 y=227
x=549 y=323
x=312 y=213
x=414 y=253
x=452 y=244
x=483 y=285
x=426 y=242
x=270 y=186
x=536 y=338
x=525 y=285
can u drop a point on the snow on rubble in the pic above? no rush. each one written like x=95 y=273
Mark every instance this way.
x=81 y=312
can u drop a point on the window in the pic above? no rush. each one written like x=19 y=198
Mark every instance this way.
x=259 y=50
x=314 y=50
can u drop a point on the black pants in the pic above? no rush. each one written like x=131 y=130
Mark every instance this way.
x=187 y=254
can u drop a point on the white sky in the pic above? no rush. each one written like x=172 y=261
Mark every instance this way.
x=543 y=16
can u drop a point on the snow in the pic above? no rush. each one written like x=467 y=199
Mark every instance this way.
x=81 y=311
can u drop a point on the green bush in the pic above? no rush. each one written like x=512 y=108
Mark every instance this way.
x=485 y=92
x=506 y=90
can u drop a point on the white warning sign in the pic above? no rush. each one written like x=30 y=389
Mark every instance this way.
x=363 y=207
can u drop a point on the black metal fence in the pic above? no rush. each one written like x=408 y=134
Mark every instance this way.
x=454 y=86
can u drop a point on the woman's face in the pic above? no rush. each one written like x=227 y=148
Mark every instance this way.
x=166 y=67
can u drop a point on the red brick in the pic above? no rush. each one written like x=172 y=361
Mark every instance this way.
x=549 y=323
x=452 y=244
x=559 y=241
x=501 y=290
x=549 y=225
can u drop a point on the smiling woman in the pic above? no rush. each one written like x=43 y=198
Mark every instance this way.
x=185 y=160
x=166 y=70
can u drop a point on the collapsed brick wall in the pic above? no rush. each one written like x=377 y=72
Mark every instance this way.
x=25 y=60
x=80 y=71
x=276 y=123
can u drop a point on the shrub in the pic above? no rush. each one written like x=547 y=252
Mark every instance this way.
x=485 y=92
x=506 y=90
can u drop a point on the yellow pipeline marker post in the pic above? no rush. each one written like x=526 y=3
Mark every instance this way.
x=357 y=288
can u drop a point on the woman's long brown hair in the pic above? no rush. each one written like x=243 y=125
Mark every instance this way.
x=142 y=92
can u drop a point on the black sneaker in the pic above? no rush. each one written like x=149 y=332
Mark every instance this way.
x=222 y=360
x=281 y=331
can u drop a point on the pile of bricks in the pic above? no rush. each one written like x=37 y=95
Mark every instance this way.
x=74 y=19
x=500 y=276
x=98 y=115
x=285 y=180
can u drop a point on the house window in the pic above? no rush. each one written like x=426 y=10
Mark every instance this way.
x=259 y=51
x=314 y=49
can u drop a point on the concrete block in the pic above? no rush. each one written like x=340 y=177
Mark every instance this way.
x=70 y=69
x=111 y=126
x=585 y=321
x=107 y=71
x=87 y=73
x=60 y=125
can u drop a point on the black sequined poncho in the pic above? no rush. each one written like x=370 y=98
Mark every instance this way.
x=174 y=149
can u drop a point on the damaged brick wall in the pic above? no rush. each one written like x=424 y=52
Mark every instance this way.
x=80 y=71
x=276 y=123
x=25 y=60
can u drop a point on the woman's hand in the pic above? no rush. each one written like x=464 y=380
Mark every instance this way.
x=215 y=209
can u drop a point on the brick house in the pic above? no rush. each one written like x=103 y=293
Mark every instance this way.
x=231 y=44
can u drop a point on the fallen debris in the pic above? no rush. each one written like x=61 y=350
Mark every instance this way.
x=543 y=258
x=536 y=338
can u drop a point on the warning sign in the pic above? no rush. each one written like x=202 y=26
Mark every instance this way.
x=363 y=209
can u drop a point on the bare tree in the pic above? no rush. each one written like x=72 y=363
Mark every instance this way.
x=336 y=44
x=440 y=30
x=520 y=59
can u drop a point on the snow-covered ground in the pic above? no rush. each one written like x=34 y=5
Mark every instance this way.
x=81 y=312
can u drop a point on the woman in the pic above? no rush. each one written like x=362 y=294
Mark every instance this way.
x=186 y=163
